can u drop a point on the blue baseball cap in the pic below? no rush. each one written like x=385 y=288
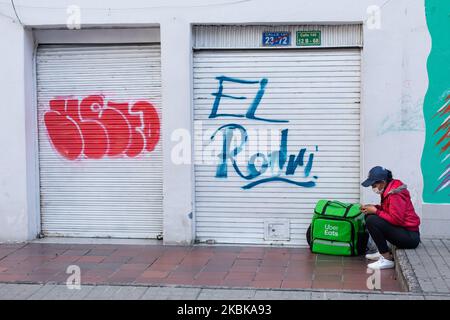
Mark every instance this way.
x=375 y=174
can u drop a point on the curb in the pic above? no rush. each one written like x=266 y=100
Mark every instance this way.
x=405 y=272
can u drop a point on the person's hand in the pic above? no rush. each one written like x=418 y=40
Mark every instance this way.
x=368 y=209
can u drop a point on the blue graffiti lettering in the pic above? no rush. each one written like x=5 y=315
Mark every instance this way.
x=274 y=158
x=250 y=114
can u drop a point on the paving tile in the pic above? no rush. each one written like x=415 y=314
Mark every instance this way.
x=251 y=255
x=121 y=280
x=436 y=297
x=10 y=277
x=178 y=281
x=355 y=285
x=295 y=284
x=237 y=283
x=102 y=292
x=226 y=294
x=189 y=261
x=318 y=284
x=65 y=258
x=302 y=257
x=331 y=258
x=101 y=251
x=128 y=293
x=170 y=260
x=240 y=276
x=272 y=269
x=154 y=274
x=119 y=259
x=184 y=268
x=85 y=265
x=301 y=264
x=266 y=284
x=5 y=290
x=300 y=270
x=327 y=277
x=227 y=249
x=135 y=266
x=15 y=292
x=355 y=277
x=75 y=252
x=60 y=292
x=238 y=294
x=12 y=246
x=162 y=267
x=176 y=248
x=207 y=282
x=222 y=269
x=42 y=292
x=299 y=276
x=126 y=253
x=247 y=262
x=213 y=262
x=170 y=293
x=253 y=249
x=275 y=262
x=122 y=276
x=385 y=296
x=91 y=258
x=244 y=269
x=329 y=270
x=338 y=296
x=198 y=256
x=82 y=292
x=211 y=275
x=281 y=295
x=269 y=276
x=143 y=259
x=149 y=281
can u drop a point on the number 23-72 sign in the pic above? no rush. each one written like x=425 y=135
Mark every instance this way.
x=272 y=39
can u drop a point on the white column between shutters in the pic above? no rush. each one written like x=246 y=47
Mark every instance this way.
x=92 y=193
x=317 y=92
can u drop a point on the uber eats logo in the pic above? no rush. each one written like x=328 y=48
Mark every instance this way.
x=331 y=230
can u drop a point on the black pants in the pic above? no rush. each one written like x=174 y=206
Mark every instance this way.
x=381 y=231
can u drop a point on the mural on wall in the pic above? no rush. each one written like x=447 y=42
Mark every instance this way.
x=436 y=153
x=95 y=129
x=442 y=135
x=276 y=158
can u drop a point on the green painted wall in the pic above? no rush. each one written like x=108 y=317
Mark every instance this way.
x=436 y=153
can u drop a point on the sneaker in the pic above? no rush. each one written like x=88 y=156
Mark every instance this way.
x=382 y=263
x=373 y=256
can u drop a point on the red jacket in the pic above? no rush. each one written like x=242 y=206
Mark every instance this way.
x=397 y=208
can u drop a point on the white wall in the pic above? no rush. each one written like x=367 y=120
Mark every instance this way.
x=394 y=84
x=176 y=97
x=17 y=202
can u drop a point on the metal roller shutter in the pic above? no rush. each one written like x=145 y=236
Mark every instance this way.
x=317 y=93
x=98 y=121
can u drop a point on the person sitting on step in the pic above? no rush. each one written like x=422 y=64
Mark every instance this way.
x=395 y=220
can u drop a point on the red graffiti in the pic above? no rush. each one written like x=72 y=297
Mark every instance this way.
x=96 y=130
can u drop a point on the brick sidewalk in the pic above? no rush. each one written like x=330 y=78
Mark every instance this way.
x=427 y=268
x=226 y=266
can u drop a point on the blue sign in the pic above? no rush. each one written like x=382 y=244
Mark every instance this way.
x=273 y=39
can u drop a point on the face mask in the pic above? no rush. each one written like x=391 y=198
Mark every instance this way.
x=376 y=190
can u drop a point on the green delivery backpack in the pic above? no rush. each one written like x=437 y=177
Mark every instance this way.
x=337 y=228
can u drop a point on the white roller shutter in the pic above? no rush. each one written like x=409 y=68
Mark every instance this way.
x=85 y=189
x=318 y=92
